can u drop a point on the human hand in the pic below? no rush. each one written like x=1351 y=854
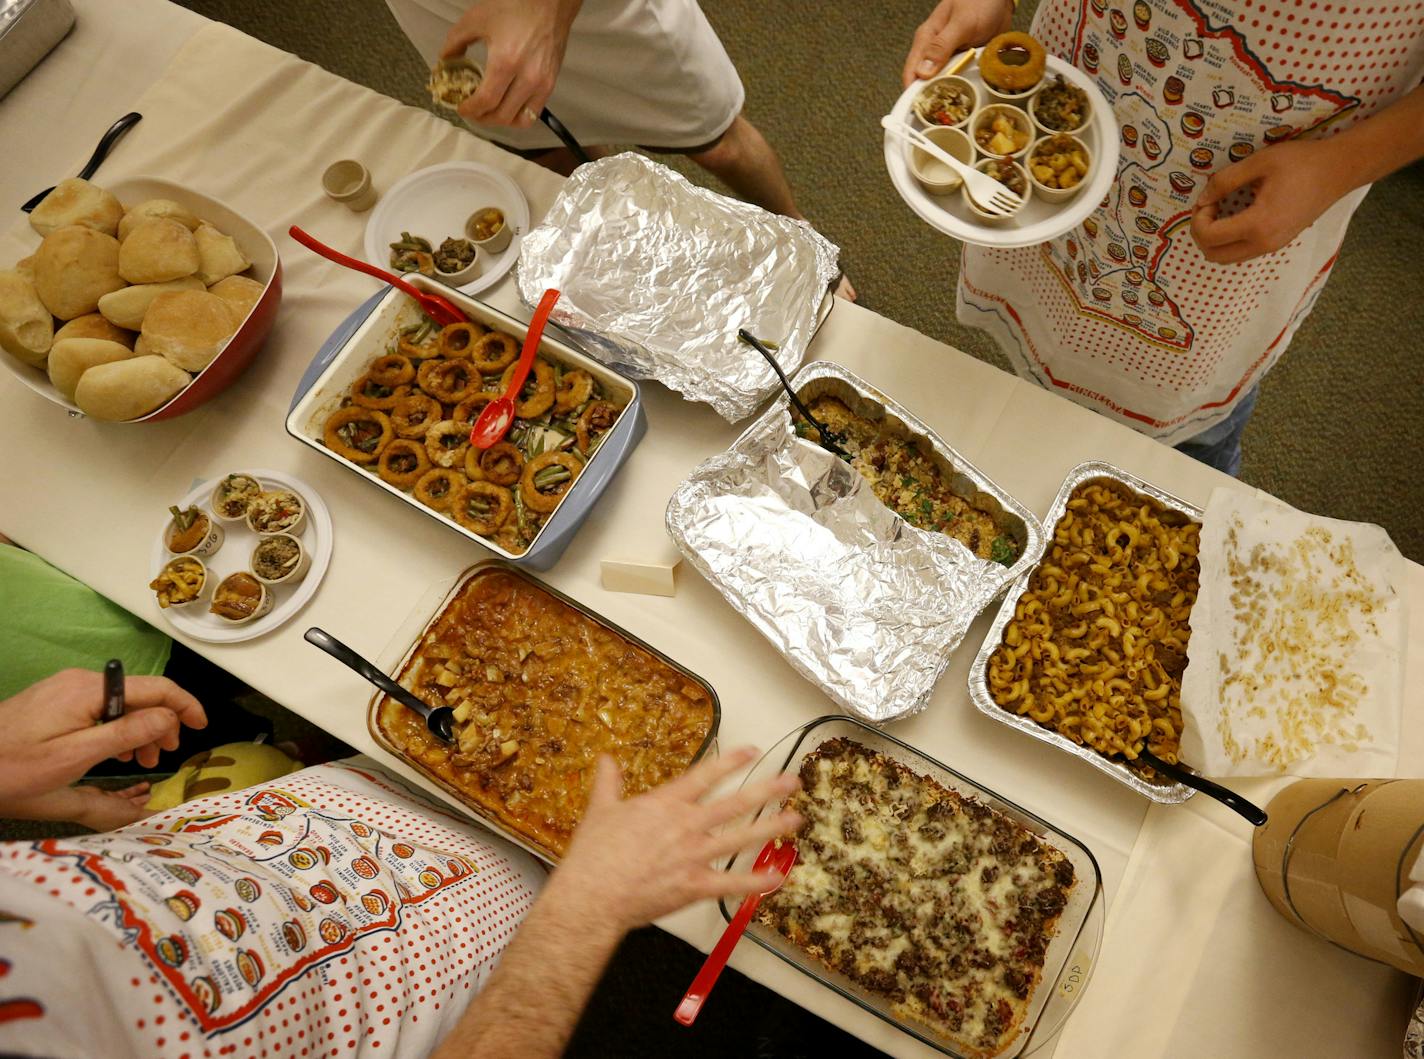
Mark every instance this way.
x=953 y=26
x=93 y=807
x=50 y=735
x=524 y=42
x=1293 y=184
x=640 y=858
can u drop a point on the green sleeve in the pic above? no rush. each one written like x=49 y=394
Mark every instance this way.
x=49 y=622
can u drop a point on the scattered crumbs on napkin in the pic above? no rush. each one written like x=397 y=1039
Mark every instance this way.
x=1296 y=655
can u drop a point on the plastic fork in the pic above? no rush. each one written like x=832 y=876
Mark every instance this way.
x=778 y=858
x=988 y=194
x=441 y=310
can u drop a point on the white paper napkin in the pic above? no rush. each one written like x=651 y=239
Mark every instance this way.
x=1297 y=647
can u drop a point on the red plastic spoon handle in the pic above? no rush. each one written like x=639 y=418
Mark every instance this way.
x=692 y=1002
x=498 y=416
x=532 y=338
x=331 y=254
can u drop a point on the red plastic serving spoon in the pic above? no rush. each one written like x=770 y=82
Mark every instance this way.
x=495 y=418
x=772 y=857
x=441 y=310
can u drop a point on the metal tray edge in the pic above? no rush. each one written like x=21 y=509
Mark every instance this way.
x=1032 y=552
x=1164 y=794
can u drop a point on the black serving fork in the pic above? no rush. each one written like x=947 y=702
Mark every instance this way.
x=832 y=441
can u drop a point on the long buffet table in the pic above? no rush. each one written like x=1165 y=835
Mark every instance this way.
x=1194 y=961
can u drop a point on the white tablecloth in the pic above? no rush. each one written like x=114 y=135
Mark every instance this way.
x=1194 y=962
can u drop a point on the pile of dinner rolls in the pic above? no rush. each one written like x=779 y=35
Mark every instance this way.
x=122 y=307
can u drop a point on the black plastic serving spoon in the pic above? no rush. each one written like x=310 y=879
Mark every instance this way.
x=1229 y=798
x=832 y=441
x=437 y=718
x=115 y=133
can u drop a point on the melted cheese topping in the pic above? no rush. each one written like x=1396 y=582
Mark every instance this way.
x=940 y=905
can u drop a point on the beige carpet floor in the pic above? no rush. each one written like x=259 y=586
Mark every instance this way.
x=1338 y=427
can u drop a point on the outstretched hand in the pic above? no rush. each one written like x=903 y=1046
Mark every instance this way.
x=50 y=737
x=1292 y=184
x=525 y=42
x=644 y=857
x=953 y=26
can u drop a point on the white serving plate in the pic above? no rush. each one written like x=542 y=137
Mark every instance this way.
x=436 y=202
x=1039 y=221
x=234 y=555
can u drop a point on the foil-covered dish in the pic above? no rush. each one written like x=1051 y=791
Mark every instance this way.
x=657 y=275
x=862 y=603
x=1157 y=788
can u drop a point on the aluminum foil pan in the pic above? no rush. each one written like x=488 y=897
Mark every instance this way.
x=657 y=275
x=1158 y=790
x=861 y=603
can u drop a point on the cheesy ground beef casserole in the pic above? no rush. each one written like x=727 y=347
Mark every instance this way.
x=933 y=901
x=539 y=689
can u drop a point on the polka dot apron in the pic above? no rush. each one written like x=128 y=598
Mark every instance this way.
x=1124 y=314
x=331 y=913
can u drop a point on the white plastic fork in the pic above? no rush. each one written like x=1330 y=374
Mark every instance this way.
x=988 y=194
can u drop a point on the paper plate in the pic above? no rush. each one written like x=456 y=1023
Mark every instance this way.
x=235 y=554
x=1039 y=221
x=435 y=203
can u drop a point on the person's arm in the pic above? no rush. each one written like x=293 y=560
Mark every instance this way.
x=524 y=42
x=1297 y=181
x=953 y=26
x=50 y=736
x=630 y=862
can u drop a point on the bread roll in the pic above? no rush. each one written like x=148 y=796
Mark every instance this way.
x=26 y=328
x=126 y=307
x=70 y=359
x=127 y=389
x=158 y=250
x=239 y=292
x=188 y=327
x=219 y=255
x=92 y=325
x=146 y=211
x=76 y=201
x=75 y=267
x=27 y=266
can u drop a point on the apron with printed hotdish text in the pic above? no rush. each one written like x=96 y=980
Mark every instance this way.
x=1123 y=313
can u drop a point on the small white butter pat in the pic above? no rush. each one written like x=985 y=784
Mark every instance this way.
x=645 y=577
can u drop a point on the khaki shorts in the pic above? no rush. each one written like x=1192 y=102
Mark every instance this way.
x=647 y=72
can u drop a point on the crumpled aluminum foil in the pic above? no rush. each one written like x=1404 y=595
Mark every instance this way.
x=860 y=602
x=657 y=275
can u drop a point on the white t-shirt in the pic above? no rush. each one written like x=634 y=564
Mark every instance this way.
x=645 y=72
x=1124 y=314
x=332 y=913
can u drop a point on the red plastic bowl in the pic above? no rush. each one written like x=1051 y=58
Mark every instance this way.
x=245 y=343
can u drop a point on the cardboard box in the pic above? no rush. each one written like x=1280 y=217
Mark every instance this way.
x=1347 y=839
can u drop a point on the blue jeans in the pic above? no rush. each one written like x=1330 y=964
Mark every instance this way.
x=1220 y=447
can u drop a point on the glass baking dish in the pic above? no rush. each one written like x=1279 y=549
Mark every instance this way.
x=400 y=670
x=1071 y=954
